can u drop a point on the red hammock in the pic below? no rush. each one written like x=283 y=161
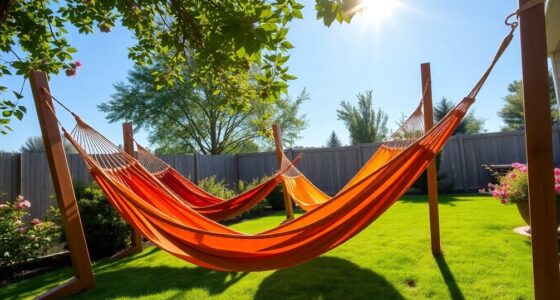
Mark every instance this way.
x=205 y=203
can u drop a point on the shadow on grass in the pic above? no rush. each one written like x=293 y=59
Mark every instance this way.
x=442 y=199
x=114 y=280
x=454 y=290
x=145 y=281
x=326 y=278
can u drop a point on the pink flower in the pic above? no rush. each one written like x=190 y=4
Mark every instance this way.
x=78 y=63
x=23 y=204
x=557 y=188
x=18 y=222
x=21 y=230
x=516 y=165
x=511 y=175
x=2 y=206
x=35 y=221
x=19 y=198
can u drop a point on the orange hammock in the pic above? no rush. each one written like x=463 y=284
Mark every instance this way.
x=158 y=214
x=307 y=196
x=165 y=220
x=206 y=204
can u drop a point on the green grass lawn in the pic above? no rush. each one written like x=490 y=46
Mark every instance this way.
x=391 y=259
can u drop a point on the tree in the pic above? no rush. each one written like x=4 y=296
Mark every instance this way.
x=469 y=125
x=333 y=141
x=193 y=118
x=363 y=122
x=512 y=112
x=35 y=144
x=225 y=40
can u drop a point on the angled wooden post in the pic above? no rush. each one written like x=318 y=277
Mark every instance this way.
x=64 y=190
x=135 y=237
x=431 y=171
x=287 y=199
x=538 y=139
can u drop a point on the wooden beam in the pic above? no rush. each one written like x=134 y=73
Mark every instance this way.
x=538 y=139
x=64 y=190
x=279 y=151
x=135 y=237
x=431 y=170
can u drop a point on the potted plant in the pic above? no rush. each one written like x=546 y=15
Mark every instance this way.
x=512 y=188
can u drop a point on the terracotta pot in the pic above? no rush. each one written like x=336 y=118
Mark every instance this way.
x=523 y=208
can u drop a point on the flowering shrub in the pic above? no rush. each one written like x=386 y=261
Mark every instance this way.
x=19 y=241
x=513 y=187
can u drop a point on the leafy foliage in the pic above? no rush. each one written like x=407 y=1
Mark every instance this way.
x=106 y=232
x=35 y=144
x=223 y=40
x=363 y=122
x=193 y=118
x=333 y=140
x=469 y=125
x=19 y=241
x=512 y=112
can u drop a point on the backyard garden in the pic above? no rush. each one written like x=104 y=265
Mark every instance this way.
x=483 y=258
x=176 y=154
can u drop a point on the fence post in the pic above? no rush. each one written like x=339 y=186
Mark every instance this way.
x=135 y=236
x=431 y=170
x=538 y=140
x=70 y=215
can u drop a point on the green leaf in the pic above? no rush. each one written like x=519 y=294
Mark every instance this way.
x=18 y=95
x=18 y=114
x=71 y=50
x=241 y=52
x=7 y=113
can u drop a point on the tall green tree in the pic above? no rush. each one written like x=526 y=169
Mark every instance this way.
x=512 y=112
x=193 y=118
x=333 y=140
x=469 y=125
x=225 y=39
x=35 y=144
x=364 y=123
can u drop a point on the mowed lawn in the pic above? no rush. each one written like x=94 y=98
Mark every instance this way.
x=391 y=259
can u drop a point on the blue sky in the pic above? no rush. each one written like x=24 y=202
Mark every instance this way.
x=458 y=38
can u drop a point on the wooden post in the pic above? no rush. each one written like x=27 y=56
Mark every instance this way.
x=287 y=199
x=64 y=190
x=431 y=171
x=538 y=139
x=135 y=237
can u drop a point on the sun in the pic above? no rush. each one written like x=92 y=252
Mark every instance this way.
x=378 y=10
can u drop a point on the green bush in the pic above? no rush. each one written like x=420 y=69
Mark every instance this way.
x=220 y=189
x=217 y=188
x=19 y=241
x=106 y=232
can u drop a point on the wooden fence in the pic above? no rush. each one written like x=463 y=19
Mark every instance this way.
x=329 y=168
